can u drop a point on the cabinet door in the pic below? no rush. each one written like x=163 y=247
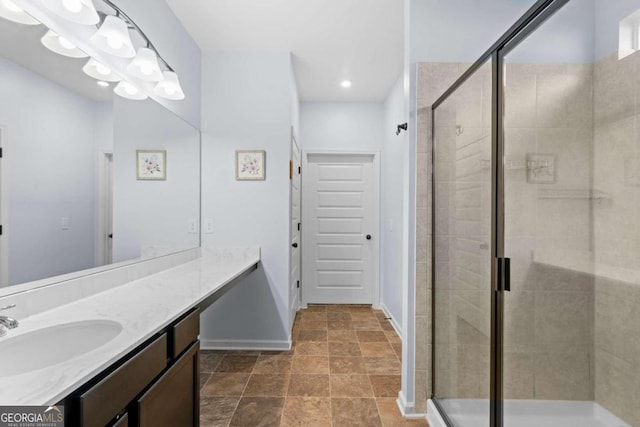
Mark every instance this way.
x=174 y=399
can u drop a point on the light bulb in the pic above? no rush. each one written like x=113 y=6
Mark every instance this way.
x=102 y=69
x=130 y=89
x=66 y=43
x=114 y=42
x=103 y=84
x=11 y=6
x=146 y=69
x=73 y=6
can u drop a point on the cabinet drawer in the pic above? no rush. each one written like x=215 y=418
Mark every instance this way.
x=102 y=402
x=184 y=333
x=174 y=399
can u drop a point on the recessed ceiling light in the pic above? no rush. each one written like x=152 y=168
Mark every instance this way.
x=103 y=84
x=346 y=84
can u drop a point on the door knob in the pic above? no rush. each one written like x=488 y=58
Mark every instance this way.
x=295 y=245
x=368 y=236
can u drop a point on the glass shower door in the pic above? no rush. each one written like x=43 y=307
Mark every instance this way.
x=462 y=252
x=549 y=363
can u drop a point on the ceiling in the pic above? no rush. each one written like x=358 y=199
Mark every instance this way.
x=331 y=40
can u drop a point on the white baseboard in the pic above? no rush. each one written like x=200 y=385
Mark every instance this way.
x=433 y=416
x=407 y=409
x=257 y=345
x=393 y=321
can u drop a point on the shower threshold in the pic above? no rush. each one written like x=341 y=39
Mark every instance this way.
x=524 y=413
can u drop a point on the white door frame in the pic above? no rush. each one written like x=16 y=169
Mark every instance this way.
x=105 y=220
x=376 y=241
x=292 y=233
x=4 y=209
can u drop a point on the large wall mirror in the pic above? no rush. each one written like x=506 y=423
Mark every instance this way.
x=72 y=197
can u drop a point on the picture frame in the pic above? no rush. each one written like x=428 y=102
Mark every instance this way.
x=151 y=165
x=251 y=165
x=541 y=168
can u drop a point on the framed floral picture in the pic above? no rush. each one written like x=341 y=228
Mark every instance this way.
x=251 y=165
x=151 y=165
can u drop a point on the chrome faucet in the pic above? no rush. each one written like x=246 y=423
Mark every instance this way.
x=7 y=322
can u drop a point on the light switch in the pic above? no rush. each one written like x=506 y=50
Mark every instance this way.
x=193 y=226
x=208 y=225
x=64 y=223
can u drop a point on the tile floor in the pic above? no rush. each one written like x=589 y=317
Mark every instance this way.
x=343 y=370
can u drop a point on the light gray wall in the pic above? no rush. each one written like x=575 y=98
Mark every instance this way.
x=50 y=157
x=608 y=15
x=176 y=46
x=478 y=24
x=248 y=104
x=153 y=213
x=341 y=126
x=392 y=159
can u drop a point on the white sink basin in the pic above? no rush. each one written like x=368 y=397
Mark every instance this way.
x=53 y=345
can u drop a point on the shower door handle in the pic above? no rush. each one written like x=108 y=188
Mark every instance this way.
x=504 y=274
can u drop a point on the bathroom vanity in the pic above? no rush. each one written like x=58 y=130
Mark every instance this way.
x=154 y=385
x=123 y=356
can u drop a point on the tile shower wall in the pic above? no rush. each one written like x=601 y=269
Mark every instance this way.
x=549 y=312
x=616 y=224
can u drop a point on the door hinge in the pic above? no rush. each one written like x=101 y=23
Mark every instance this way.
x=1 y=153
x=299 y=170
x=1 y=230
x=299 y=226
x=298 y=284
x=504 y=274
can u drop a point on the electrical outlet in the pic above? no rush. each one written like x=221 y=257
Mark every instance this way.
x=193 y=226
x=64 y=223
x=208 y=225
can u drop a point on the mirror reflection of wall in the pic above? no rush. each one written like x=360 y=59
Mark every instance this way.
x=69 y=168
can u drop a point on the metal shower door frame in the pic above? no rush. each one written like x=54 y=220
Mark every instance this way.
x=525 y=26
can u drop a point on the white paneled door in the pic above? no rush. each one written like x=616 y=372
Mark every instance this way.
x=340 y=228
x=294 y=251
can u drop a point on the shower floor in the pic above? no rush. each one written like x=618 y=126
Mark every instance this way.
x=525 y=413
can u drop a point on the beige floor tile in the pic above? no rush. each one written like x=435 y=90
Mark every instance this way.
x=350 y=386
x=225 y=384
x=344 y=349
x=355 y=412
x=345 y=335
x=315 y=385
x=377 y=349
x=237 y=363
x=391 y=416
x=385 y=385
x=258 y=411
x=312 y=348
x=306 y=412
x=267 y=385
x=347 y=365
x=310 y=365
x=217 y=411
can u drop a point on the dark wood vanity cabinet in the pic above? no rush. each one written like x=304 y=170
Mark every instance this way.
x=156 y=385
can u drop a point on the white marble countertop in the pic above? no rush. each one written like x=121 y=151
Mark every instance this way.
x=143 y=308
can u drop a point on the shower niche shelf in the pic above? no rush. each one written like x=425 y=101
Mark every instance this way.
x=575 y=194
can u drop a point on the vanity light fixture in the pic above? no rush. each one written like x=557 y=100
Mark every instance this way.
x=78 y=11
x=61 y=46
x=11 y=11
x=169 y=88
x=129 y=91
x=145 y=65
x=100 y=72
x=113 y=37
x=346 y=84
